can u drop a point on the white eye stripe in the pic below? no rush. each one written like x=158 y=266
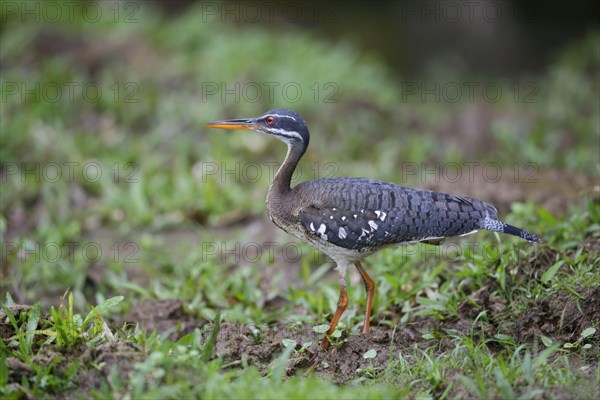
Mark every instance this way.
x=288 y=134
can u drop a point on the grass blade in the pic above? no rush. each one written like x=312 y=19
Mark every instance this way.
x=550 y=272
x=209 y=346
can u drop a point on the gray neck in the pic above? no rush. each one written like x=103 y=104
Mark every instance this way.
x=281 y=184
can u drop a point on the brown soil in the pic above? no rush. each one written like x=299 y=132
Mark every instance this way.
x=168 y=317
x=561 y=317
x=6 y=328
x=119 y=356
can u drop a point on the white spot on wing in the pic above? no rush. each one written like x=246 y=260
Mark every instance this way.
x=321 y=232
x=342 y=233
x=312 y=227
x=364 y=232
x=381 y=215
x=373 y=225
x=343 y=218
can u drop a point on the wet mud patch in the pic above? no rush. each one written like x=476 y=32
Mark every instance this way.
x=345 y=360
x=350 y=357
x=363 y=355
x=239 y=344
x=559 y=315
x=562 y=316
x=86 y=368
x=119 y=357
x=170 y=318
x=51 y=358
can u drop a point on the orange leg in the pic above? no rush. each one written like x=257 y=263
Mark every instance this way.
x=342 y=303
x=370 y=289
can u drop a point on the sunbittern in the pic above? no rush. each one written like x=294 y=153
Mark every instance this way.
x=351 y=218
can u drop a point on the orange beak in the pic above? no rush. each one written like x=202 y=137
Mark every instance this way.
x=248 y=124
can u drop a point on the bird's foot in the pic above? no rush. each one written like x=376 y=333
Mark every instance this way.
x=316 y=357
x=314 y=361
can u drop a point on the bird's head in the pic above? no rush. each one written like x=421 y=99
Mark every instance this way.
x=286 y=125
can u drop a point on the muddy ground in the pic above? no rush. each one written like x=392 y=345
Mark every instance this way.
x=559 y=318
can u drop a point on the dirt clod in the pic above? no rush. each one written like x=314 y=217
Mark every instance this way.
x=563 y=316
x=168 y=317
x=6 y=328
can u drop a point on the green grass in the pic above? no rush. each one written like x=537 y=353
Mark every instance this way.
x=446 y=363
x=84 y=251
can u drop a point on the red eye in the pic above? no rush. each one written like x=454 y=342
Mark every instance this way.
x=270 y=120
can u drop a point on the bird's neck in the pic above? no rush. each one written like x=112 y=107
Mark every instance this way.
x=281 y=184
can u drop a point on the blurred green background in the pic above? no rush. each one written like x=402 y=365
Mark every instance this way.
x=103 y=106
x=112 y=185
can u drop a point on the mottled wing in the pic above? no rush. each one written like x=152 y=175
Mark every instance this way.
x=361 y=213
x=350 y=229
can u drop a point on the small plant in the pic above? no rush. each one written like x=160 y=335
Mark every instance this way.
x=291 y=343
x=69 y=328
x=586 y=333
x=334 y=338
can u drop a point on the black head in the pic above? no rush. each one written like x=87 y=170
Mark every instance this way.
x=286 y=125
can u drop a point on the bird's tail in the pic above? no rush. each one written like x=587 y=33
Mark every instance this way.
x=497 y=226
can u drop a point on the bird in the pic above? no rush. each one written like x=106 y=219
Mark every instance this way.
x=349 y=218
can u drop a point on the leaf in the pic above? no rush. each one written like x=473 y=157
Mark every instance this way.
x=113 y=301
x=3 y=371
x=546 y=216
x=320 y=328
x=11 y=317
x=503 y=338
x=588 y=332
x=102 y=308
x=32 y=324
x=210 y=344
x=289 y=343
x=472 y=387
x=186 y=340
x=9 y=300
x=546 y=276
x=372 y=353
x=278 y=371
x=305 y=346
x=546 y=340
x=504 y=386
